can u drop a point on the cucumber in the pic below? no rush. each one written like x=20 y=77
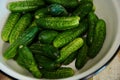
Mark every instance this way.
x=25 y=38
x=33 y=24
x=62 y=72
x=46 y=63
x=9 y=25
x=83 y=9
x=41 y=13
x=57 y=10
x=25 y=6
x=20 y=26
x=69 y=49
x=65 y=37
x=70 y=58
x=65 y=3
x=26 y=59
x=45 y=50
x=92 y=19
x=98 y=39
x=58 y=23
x=47 y=36
x=82 y=58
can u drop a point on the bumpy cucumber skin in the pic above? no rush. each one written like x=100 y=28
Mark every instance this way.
x=62 y=72
x=47 y=36
x=92 y=19
x=57 y=10
x=25 y=6
x=98 y=39
x=69 y=35
x=25 y=38
x=69 y=49
x=9 y=25
x=25 y=59
x=58 y=23
x=20 y=26
x=65 y=3
x=81 y=58
x=83 y=9
x=45 y=50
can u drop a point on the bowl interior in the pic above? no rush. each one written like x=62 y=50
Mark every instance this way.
x=104 y=9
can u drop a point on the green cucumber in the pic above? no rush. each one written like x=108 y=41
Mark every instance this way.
x=98 y=39
x=83 y=9
x=62 y=72
x=46 y=63
x=45 y=50
x=25 y=6
x=26 y=59
x=82 y=58
x=25 y=38
x=47 y=36
x=58 y=23
x=65 y=3
x=92 y=19
x=69 y=49
x=20 y=26
x=69 y=35
x=57 y=10
x=70 y=58
x=9 y=25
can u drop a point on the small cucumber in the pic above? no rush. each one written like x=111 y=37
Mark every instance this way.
x=92 y=19
x=58 y=23
x=41 y=13
x=57 y=10
x=46 y=63
x=26 y=59
x=65 y=3
x=25 y=6
x=62 y=72
x=83 y=9
x=69 y=35
x=9 y=25
x=25 y=38
x=98 y=39
x=47 y=36
x=69 y=49
x=45 y=50
x=82 y=58
x=70 y=58
x=20 y=26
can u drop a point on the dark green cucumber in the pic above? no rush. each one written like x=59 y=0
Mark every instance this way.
x=25 y=38
x=92 y=19
x=47 y=36
x=41 y=13
x=69 y=49
x=45 y=50
x=20 y=26
x=83 y=9
x=57 y=10
x=69 y=35
x=25 y=6
x=58 y=23
x=70 y=58
x=46 y=63
x=26 y=59
x=9 y=25
x=98 y=39
x=62 y=72
x=65 y=3
x=82 y=58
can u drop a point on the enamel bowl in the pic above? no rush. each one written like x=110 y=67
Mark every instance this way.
x=105 y=9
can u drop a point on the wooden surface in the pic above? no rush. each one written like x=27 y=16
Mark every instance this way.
x=111 y=72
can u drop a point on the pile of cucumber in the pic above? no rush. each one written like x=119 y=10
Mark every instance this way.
x=46 y=34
